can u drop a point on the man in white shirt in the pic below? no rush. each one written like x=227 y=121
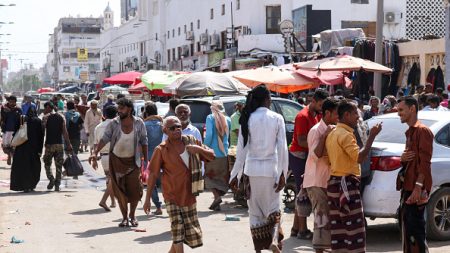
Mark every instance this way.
x=262 y=156
x=110 y=114
x=93 y=117
x=317 y=174
x=183 y=112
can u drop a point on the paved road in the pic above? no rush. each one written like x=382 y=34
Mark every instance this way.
x=71 y=221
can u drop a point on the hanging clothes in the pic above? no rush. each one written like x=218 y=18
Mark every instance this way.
x=430 y=76
x=414 y=77
x=439 y=79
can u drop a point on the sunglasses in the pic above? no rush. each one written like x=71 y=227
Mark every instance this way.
x=174 y=127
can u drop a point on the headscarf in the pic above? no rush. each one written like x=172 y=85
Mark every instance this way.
x=217 y=110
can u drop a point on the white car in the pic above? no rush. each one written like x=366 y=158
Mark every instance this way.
x=380 y=198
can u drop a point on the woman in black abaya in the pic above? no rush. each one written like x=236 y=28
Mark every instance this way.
x=26 y=166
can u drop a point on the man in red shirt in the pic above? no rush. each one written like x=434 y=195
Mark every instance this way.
x=298 y=152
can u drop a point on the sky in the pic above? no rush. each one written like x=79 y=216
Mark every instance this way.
x=34 y=20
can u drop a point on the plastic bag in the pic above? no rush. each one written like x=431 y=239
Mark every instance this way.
x=73 y=166
x=21 y=135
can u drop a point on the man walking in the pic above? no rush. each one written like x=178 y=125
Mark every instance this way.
x=415 y=179
x=82 y=109
x=298 y=152
x=183 y=113
x=92 y=119
x=127 y=136
x=239 y=105
x=347 y=225
x=317 y=173
x=110 y=113
x=54 y=126
x=27 y=104
x=74 y=124
x=10 y=122
x=179 y=157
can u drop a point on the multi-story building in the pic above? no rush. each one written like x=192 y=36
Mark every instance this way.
x=197 y=34
x=74 y=50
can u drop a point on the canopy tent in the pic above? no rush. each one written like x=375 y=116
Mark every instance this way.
x=159 y=79
x=343 y=63
x=127 y=78
x=206 y=84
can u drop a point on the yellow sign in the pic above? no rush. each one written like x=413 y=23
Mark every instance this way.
x=82 y=54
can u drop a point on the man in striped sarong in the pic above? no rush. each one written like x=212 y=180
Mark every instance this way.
x=347 y=223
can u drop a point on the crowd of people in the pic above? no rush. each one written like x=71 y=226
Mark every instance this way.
x=330 y=142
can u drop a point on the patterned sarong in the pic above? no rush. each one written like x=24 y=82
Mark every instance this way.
x=263 y=235
x=185 y=227
x=347 y=224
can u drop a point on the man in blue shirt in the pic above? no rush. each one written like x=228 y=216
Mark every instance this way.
x=27 y=104
x=110 y=102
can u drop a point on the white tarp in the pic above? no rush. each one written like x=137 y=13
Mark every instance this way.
x=333 y=39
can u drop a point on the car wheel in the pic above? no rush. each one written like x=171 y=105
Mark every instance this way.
x=438 y=215
x=289 y=193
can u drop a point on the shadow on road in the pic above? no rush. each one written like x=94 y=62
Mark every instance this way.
x=18 y=194
x=89 y=212
x=166 y=236
x=100 y=231
x=146 y=217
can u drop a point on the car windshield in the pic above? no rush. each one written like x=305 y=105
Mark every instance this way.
x=393 y=130
x=46 y=96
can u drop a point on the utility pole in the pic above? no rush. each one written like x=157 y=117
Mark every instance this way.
x=379 y=47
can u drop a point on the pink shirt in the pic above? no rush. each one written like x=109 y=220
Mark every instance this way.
x=317 y=170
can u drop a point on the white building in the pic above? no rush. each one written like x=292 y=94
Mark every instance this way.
x=197 y=34
x=74 y=50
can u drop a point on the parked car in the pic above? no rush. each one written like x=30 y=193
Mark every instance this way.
x=45 y=97
x=163 y=108
x=200 y=108
x=380 y=198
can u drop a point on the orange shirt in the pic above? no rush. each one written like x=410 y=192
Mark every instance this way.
x=176 y=177
x=304 y=121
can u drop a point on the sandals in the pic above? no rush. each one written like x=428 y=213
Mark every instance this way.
x=294 y=232
x=157 y=212
x=134 y=222
x=124 y=223
x=305 y=235
x=216 y=204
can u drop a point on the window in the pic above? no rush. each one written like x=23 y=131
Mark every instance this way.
x=443 y=136
x=273 y=18
x=223 y=9
x=156 y=36
x=185 y=28
x=360 y=1
x=192 y=26
x=211 y=15
x=238 y=4
x=168 y=34
x=173 y=33
x=198 y=23
x=179 y=31
x=168 y=55
x=173 y=54
x=289 y=111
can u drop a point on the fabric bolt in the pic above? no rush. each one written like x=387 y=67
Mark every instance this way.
x=56 y=152
x=217 y=174
x=319 y=202
x=316 y=169
x=343 y=151
x=266 y=153
x=26 y=165
x=264 y=210
x=347 y=224
x=185 y=226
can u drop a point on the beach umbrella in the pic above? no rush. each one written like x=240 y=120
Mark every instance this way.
x=206 y=84
x=276 y=79
x=343 y=63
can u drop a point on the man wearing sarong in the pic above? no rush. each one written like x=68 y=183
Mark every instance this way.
x=317 y=173
x=415 y=179
x=262 y=158
x=347 y=224
x=179 y=157
x=127 y=136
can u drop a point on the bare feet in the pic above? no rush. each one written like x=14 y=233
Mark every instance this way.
x=158 y=211
x=105 y=207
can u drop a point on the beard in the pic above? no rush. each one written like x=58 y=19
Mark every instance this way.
x=123 y=116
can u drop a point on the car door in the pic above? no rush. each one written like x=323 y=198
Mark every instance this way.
x=440 y=163
x=289 y=110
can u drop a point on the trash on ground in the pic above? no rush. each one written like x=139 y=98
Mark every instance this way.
x=140 y=230
x=232 y=218
x=27 y=223
x=15 y=240
x=13 y=212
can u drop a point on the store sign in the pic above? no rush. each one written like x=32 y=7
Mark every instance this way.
x=214 y=59
x=82 y=54
x=66 y=69
x=300 y=17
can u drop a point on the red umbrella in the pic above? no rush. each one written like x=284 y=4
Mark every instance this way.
x=138 y=87
x=123 y=78
x=45 y=89
x=159 y=93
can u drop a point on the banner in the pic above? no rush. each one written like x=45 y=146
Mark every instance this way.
x=82 y=54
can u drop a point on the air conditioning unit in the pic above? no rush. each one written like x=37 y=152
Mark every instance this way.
x=185 y=50
x=391 y=17
x=203 y=39
x=190 y=35
x=215 y=40
x=143 y=59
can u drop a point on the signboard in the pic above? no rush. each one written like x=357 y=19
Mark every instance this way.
x=215 y=58
x=82 y=54
x=300 y=17
x=286 y=27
